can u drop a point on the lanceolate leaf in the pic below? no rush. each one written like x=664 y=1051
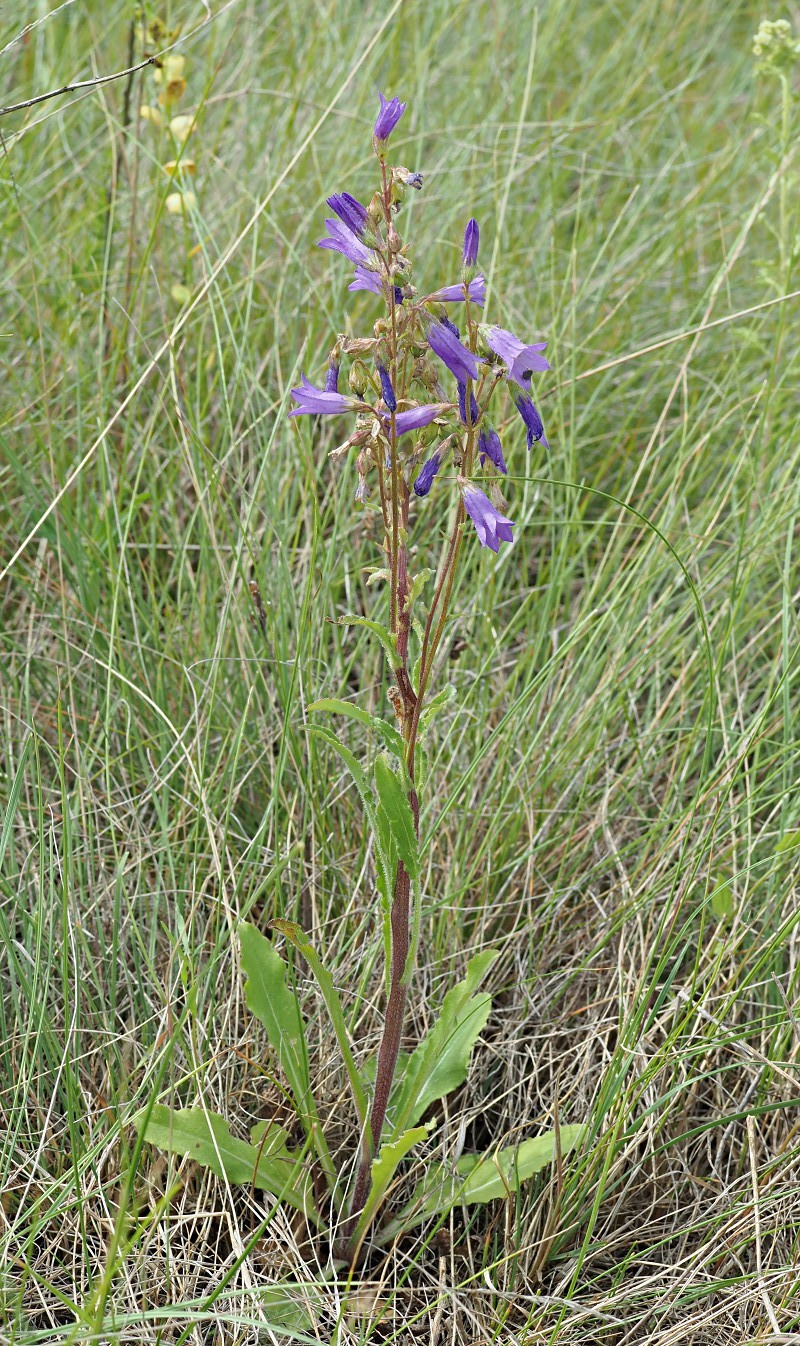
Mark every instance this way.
x=275 y=1004
x=384 y=1166
x=397 y=812
x=478 y=1178
x=384 y=865
x=440 y=1061
x=382 y=632
x=302 y=943
x=205 y=1137
x=388 y=732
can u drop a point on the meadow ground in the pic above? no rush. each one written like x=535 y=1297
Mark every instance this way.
x=613 y=799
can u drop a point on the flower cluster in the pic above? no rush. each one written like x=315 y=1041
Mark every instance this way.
x=398 y=384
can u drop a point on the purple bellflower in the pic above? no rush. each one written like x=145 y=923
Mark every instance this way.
x=332 y=377
x=489 y=446
x=388 y=117
x=460 y=361
x=474 y=409
x=426 y=474
x=491 y=526
x=343 y=240
x=521 y=360
x=418 y=417
x=450 y=294
x=471 y=237
x=350 y=212
x=365 y=279
x=313 y=401
x=531 y=417
x=387 y=389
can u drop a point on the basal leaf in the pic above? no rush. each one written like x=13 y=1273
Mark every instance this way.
x=478 y=1178
x=440 y=1061
x=275 y=1004
x=302 y=943
x=384 y=1167
x=205 y=1137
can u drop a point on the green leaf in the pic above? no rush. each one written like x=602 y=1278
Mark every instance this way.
x=382 y=632
x=788 y=842
x=385 y=869
x=436 y=703
x=275 y=1004
x=722 y=900
x=206 y=1138
x=397 y=811
x=302 y=943
x=387 y=731
x=384 y=1167
x=440 y=1061
x=417 y=585
x=477 y=1178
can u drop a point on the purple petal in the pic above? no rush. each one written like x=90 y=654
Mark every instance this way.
x=520 y=359
x=451 y=294
x=343 y=240
x=489 y=446
x=350 y=211
x=332 y=377
x=319 y=401
x=531 y=417
x=426 y=475
x=418 y=417
x=471 y=237
x=450 y=350
x=491 y=526
x=387 y=389
x=366 y=280
x=388 y=117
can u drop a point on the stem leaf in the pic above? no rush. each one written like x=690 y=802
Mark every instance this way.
x=397 y=814
x=378 y=629
x=387 y=731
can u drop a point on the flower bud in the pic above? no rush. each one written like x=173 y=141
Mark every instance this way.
x=357 y=379
x=471 y=238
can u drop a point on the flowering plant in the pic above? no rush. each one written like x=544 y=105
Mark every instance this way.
x=419 y=393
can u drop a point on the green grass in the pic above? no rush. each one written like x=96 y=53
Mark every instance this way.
x=613 y=799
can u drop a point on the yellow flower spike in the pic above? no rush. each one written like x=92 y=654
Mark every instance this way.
x=151 y=114
x=181 y=127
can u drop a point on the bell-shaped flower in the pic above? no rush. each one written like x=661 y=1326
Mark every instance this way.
x=531 y=417
x=388 y=117
x=461 y=362
x=426 y=474
x=491 y=526
x=350 y=212
x=450 y=294
x=343 y=240
x=520 y=360
x=313 y=401
x=489 y=446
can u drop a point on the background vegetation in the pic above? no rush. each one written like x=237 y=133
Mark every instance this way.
x=614 y=793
